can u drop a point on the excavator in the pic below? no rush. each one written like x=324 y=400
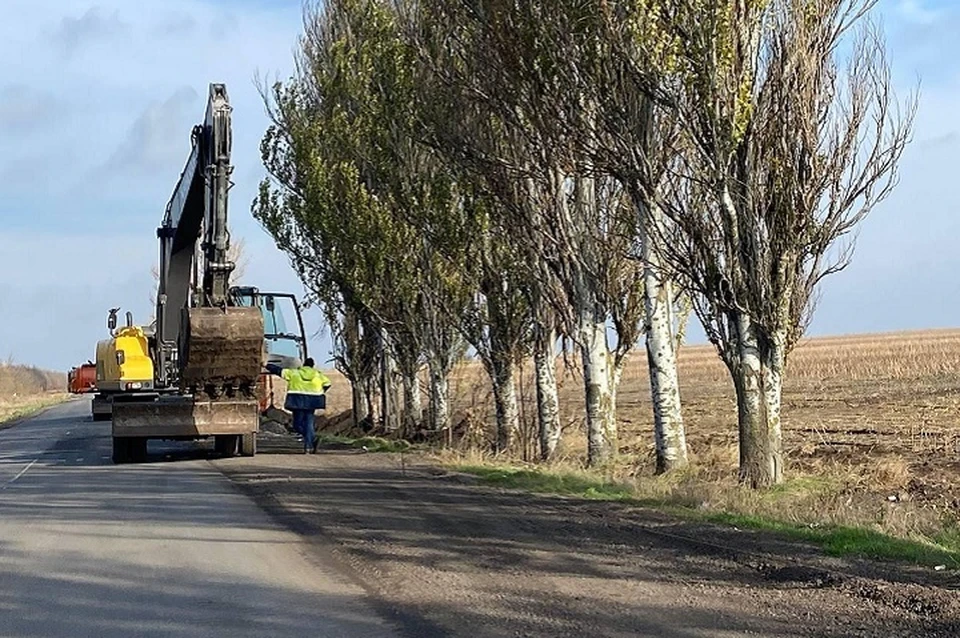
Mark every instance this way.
x=124 y=368
x=205 y=352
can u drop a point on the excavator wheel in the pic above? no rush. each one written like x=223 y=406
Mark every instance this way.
x=226 y=444
x=248 y=444
x=138 y=449
x=128 y=449
x=121 y=451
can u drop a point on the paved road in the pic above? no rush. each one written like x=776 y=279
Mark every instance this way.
x=159 y=549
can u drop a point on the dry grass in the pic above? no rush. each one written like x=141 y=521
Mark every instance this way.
x=25 y=389
x=871 y=432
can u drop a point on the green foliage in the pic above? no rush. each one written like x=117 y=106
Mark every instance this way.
x=367 y=214
x=547 y=482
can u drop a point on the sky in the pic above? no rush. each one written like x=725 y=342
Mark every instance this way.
x=97 y=100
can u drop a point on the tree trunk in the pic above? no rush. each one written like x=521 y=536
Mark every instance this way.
x=350 y=350
x=758 y=378
x=601 y=419
x=615 y=376
x=669 y=435
x=412 y=401
x=548 y=401
x=389 y=386
x=374 y=405
x=360 y=403
x=505 y=398
x=439 y=397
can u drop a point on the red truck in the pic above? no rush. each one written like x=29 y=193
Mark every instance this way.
x=82 y=379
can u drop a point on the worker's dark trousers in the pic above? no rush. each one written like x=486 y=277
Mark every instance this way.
x=303 y=422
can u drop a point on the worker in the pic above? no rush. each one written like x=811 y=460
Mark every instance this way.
x=306 y=393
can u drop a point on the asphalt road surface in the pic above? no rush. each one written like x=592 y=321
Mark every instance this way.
x=158 y=549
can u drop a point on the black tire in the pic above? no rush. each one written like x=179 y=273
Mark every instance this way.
x=226 y=444
x=248 y=444
x=138 y=449
x=121 y=450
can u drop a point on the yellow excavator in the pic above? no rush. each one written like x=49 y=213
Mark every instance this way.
x=196 y=371
x=123 y=365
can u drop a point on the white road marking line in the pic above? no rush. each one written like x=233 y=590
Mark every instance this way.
x=21 y=473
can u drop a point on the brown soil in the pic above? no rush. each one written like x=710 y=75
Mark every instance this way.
x=446 y=557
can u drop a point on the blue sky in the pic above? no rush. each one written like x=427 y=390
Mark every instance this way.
x=96 y=104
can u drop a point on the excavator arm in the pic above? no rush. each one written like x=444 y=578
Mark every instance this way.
x=197 y=210
x=204 y=343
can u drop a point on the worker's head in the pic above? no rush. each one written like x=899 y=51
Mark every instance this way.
x=308 y=362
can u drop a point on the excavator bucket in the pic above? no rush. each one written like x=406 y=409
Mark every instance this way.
x=222 y=347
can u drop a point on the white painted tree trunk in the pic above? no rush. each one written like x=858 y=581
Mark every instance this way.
x=616 y=375
x=758 y=379
x=597 y=377
x=350 y=346
x=439 y=397
x=412 y=402
x=548 y=401
x=505 y=399
x=669 y=434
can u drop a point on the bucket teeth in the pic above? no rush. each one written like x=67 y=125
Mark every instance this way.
x=222 y=349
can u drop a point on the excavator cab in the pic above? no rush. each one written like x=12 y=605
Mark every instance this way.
x=283 y=335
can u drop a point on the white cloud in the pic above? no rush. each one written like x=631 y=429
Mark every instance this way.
x=156 y=140
x=34 y=258
x=92 y=26
x=24 y=108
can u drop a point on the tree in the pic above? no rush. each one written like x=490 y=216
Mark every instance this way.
x=780 y=155
x=351 y=192
x=501 y=66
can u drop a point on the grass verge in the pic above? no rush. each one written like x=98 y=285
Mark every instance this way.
x=837 y=540
x=369 y=443
x=545 y=482
x=944 y=549
x=11 y=411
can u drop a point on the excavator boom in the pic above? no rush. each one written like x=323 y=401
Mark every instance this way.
x=206 y=345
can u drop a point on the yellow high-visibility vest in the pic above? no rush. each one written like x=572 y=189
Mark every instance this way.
x=305 y=380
